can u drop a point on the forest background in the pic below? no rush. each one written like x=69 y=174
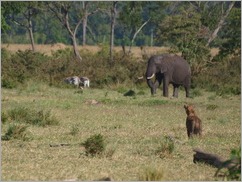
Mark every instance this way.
x=190 y=29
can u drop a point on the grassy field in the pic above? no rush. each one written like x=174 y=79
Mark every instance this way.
x=134 y=129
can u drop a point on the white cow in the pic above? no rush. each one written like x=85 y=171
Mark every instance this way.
x=75 y=80
x=85 y=81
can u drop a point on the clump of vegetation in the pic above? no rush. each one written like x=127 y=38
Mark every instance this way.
x=34 y=117
x=153 y=102
x=94 y=145
x=152 y=174
x=212 y=107
x=130 y=93
x=74 y=130
x=196 y=92
x=16 y=131
x=4 y=117
x=166 y=148
x=234 y=172
x=223 y=77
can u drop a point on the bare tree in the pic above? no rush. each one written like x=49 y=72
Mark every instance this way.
x=62 y=10
x=113 y=10
x=27 y=11
x=136 y=33
x=220 y=24
x=86 y=14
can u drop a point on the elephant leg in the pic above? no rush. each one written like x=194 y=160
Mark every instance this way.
x=165 y=87
x=175 y=90
x=187 y=92
x=187 y=86
x=152 y=86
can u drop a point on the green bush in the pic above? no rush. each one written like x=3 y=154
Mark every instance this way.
x=130 y=93
x=211 y=107
x=153 y=102
x=16 y=131
x=94 y=145
x=74 y=130
x=4 y=117
x=34 y=117
x=223 y=77
x=20 y=67
x=234 y=170
x=8 y=83
x=166 y=148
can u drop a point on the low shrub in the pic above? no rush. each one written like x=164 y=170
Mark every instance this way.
x=153 y=102
x=234 y=172
x=211 y=107
x=74 y=130
x=16 y=131
x=34 y=117
x=223 y=77
x=196 y=92
x=130 y=93
x=94 y=145
x=166 y=148
x=4 y=117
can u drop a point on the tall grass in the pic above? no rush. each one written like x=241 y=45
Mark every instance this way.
x=30 y=116
x=17 y=131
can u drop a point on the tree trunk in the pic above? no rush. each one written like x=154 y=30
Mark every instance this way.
x=30 y=30
x=220 y=24
x=84 y=22
x=84 y=30
x=113 y=20
x=75 y=48
x=73 y=37
x=136 y=33
x=31 y=36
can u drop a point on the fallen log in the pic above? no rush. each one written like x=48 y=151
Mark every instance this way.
x=212 y=159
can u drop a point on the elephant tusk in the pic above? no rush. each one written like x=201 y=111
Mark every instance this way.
x=148 y=78
x=141 y=77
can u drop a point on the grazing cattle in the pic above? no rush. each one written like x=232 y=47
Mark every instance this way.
x=75 y=80
x=85 y=81
x=193 y=123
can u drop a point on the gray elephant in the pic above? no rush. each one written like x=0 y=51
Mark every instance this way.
x=169 y=69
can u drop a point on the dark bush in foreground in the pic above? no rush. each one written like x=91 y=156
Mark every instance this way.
x=94 y=145
x=166 y=148
x=16 y=131
x=234 y=172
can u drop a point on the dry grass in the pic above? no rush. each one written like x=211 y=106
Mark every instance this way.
x=48 y=49
x=133 y=128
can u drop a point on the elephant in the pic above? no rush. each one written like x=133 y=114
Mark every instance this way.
x=168 y=68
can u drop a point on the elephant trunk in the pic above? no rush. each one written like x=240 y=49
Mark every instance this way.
x=151 y=85
x=150 y=73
